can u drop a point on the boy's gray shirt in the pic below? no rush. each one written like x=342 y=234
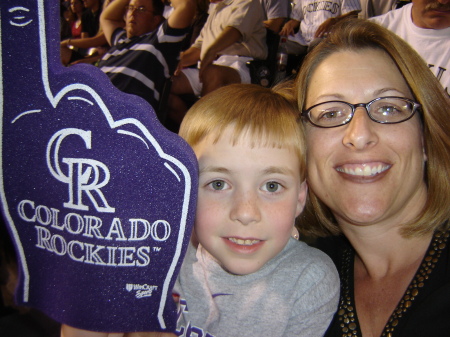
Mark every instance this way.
x=294 y=294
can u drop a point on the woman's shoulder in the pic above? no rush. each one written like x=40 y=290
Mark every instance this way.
x=430 y=316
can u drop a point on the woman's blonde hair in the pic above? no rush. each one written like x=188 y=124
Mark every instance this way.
x=269 y=115
x=356 y=35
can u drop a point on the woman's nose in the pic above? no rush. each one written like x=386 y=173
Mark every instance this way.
x=360 y=132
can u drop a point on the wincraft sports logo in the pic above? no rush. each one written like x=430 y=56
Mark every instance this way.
x=142 y=290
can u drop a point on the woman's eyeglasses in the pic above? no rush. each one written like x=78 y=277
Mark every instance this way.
x=384 y=110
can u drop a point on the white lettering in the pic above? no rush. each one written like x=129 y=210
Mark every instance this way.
x=112 y=256
x=92 y=225
x=55 y=221
x=43 y=238
x=62 y=244
x=86 y=176
x=71 y=253
x=21 y=210
x=92 y=255
x=135 y=228
x=143 y=254
x=126 y=256
x=165 y=229
x=116 y=228
x=79 y=223
x=47 y=218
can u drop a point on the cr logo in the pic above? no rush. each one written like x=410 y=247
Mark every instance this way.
x=86 y=176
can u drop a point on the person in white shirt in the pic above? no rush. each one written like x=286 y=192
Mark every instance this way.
x=425 y=25
x=315 y=18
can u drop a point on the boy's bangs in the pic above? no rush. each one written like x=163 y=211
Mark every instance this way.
x=275 y=135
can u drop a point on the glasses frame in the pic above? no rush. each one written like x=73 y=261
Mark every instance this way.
x=415 y=106
x=139 y=9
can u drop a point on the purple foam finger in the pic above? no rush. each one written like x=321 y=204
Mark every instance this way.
x=99 y=198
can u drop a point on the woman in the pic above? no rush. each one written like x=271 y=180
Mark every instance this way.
x=90 y=45
x=77 y=8
x=76 y=31
x=378 y=174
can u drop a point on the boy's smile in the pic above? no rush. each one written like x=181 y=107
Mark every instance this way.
x=248 y=199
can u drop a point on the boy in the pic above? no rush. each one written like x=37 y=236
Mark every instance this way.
x=243 y=274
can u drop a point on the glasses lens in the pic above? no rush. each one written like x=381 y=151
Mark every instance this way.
x=330 y=114
x=391 y=109
x=140 y=9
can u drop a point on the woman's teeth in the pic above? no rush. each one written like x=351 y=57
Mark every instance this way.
x=363 y=170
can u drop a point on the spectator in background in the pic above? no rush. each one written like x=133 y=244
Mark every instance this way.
x=91 y=17
x=232 y=35
x=168 y=9
x=371 y=8
x=76 y=32
x=95 y=46
x=425 y=25
x=65 y=17
x=382 y=7
x=145 y=48
x=83 y=27
x=201 y=15
x=77 y=9
x=276 y=12
x=313 y=19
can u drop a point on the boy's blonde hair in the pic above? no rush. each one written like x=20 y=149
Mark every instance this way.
x=269 y=115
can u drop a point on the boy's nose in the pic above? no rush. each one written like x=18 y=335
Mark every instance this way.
x=245 y=208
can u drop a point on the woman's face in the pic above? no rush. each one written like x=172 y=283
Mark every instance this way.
x=367 y=173
x=76 y=6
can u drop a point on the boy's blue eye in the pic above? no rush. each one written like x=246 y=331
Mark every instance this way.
x=271 y=186
x=218 y=185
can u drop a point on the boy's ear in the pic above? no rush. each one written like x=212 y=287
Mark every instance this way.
x=301 y=201
x=295 y=234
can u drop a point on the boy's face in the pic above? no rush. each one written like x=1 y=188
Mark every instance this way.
x=247 y=202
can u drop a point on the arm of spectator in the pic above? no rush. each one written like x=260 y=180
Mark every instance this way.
x=90 y=42
x=325 y=27
x=290 y=28
x=88 y=60
x=68 y=331
x=274 y=24
x=112 y=18
x=183 y=13
x=187 y=58
x=228 y=36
